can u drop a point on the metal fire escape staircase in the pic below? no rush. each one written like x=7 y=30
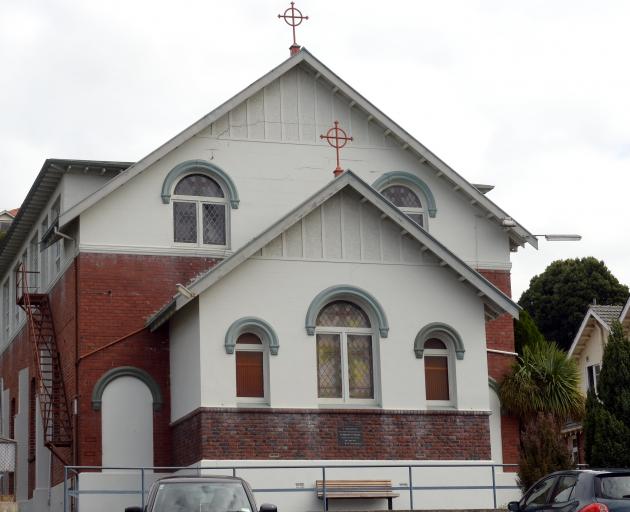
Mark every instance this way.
x=51 y=392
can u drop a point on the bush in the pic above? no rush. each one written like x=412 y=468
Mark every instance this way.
x=543 y=450
x=607 y=422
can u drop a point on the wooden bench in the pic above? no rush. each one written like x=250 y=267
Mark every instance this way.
x=361 y=489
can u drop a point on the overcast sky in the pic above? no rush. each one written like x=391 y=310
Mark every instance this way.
x=531 y=96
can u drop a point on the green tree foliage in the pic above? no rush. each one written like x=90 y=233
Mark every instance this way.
x=607 y=422
x=525 y=332
x=558 y=298
x=543 y=450
x=543 y=380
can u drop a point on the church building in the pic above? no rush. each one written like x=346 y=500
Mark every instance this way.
x=229 y=300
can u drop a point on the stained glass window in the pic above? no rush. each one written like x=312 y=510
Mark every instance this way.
x=342 y=314
x=403 y=197
x=202 y=221
x=345 y=366
x=329 y=365
x=198 y=185
x=360 y=366
x=407 y=200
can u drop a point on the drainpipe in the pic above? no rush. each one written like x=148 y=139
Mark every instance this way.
x=75 y=430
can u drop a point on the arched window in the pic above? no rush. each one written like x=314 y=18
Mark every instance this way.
x=200 y=211
x=345 y=353
x=438 y=372
x=408 y=201
x=251 y=368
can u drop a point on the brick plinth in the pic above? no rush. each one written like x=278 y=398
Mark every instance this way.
x=303 y=434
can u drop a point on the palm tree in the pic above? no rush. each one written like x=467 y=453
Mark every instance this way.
x=543 y=380
x=542 y=391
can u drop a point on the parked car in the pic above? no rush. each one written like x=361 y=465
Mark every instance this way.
x=604 y=490
x=201 y=494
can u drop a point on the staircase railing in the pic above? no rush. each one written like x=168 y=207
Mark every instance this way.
x=51 y=391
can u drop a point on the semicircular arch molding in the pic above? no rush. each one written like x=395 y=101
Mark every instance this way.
x=126 y=371
x=397 y=177
x=437 y=329
x=251 y=324
x=200 y=167
x=345 y=292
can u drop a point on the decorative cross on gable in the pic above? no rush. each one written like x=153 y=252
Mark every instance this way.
x=337 y=138
x=293 y=17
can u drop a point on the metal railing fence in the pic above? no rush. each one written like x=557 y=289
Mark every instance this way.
x=72 y=475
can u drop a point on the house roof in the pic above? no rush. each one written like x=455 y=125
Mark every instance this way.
x=517 y=233
x=10 y=213
x=607 y=313
x=604 y=315
x=38 y=197
x=495 y=300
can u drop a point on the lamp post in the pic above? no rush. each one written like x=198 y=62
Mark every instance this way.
x=561 y=237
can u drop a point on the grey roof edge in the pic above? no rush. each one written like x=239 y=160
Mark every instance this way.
x=304 y=55
x=184 y=135
x=590 y=313
x=51 y=170
x=488 y=292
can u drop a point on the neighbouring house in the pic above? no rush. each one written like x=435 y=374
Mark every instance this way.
x=587 y=350
x=6 y=218
x=226 y=300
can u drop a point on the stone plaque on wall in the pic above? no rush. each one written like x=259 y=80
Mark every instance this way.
x=350 y=434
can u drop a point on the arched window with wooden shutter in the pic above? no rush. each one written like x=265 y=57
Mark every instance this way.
x=250 y=366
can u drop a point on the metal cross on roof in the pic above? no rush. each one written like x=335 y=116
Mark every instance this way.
x=337 y=138
x=293 y=17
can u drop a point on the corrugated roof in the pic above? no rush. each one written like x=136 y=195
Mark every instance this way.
x=36 y=200
x=607 y=313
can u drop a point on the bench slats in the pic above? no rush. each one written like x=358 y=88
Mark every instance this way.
x=356 y=489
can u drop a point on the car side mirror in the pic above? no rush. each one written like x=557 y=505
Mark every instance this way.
x=513 y=506
x=133 y=509
x=266 y=507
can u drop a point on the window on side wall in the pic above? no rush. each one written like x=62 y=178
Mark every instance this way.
x=251 y=368
x=57 y=247
x=345 y=354
x=592 y=373
x=408 y=201
x=5 y=311
x=200 y=212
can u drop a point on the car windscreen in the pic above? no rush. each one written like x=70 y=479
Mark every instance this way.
x=201 y=497
x=615 y=487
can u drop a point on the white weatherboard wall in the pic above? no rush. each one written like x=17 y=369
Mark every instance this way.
x=277 y=162
x=592 y=353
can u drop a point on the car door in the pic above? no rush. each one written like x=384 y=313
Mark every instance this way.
x=537 y=498
x=562 y=497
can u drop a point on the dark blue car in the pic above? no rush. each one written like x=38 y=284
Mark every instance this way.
x=604 y=490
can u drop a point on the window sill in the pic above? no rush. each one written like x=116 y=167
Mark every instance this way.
x=441 y=407
x=372 y=405
x=253 y=405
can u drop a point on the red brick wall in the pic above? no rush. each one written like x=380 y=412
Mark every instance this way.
x=500 y=336
x=117 y=295
x=209 y=433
